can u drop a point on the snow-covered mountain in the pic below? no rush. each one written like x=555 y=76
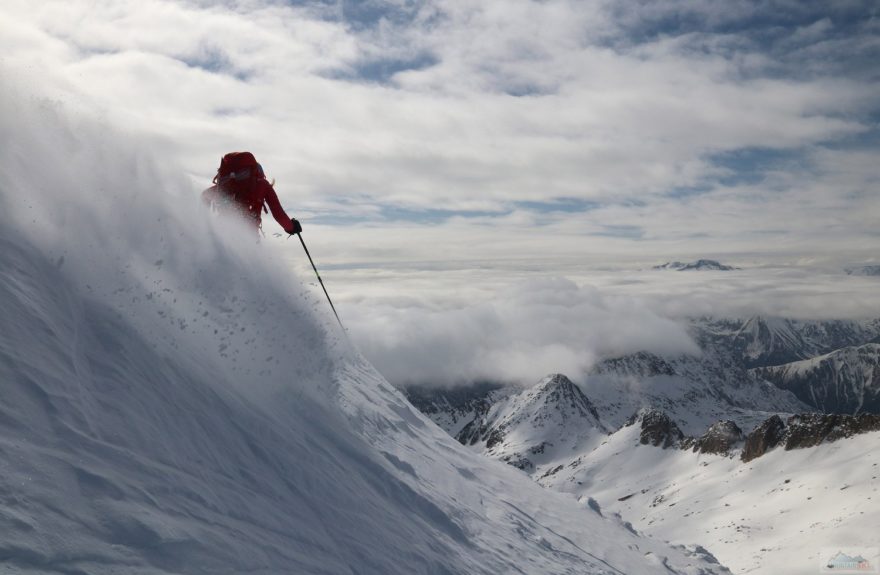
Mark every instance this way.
x=543 y=423
x=703 y=448
x=699 y=265
x=844 y=381
x=725 y=487
x=765 y=341
x=872 y=270
x=174 y=402
x=695 y=391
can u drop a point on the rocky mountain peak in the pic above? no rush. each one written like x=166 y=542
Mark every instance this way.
x=770 y=341
x=559 y=394
x=657 y=428
x=720 y=438
x=768 y=434
x=639 y=364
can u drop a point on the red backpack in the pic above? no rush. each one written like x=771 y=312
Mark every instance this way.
x=238 y=167
x=236 y=179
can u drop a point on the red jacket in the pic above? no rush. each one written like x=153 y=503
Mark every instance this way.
x=248 y=199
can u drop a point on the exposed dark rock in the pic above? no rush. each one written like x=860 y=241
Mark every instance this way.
x=657 y=428
x=495 y=437
x=763 y=438
x=553 y=471
x=538 y=449
x=720 y=438
x=810 y=429
x=457 y=402
x=640 y=364
x=477 y=428
x=519 y=462
x=806 y=430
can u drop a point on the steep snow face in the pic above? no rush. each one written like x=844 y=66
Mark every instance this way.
x=844 y=381
x=173 y=403
x=765 y=341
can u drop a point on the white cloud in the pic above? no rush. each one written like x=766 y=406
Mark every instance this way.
x=612 y=110
x=603 y=124
x=458 y=323
x=521 y=334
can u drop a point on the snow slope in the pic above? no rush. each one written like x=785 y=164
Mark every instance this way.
x=172 y=402
x=784 y=512
x=778 y=513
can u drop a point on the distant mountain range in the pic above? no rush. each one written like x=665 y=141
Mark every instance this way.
x=671 y=442
x=864 y=271
x=746 y=369
x=846 y=380
x=699 y=265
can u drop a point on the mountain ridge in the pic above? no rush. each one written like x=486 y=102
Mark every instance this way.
x=846 y=380
x=698 y=265
x=672 y=429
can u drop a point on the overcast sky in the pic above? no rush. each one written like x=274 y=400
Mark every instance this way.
x=454 y=161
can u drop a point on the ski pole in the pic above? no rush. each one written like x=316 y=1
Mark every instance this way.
x=320 y=281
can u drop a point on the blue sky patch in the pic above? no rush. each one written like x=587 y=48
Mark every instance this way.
x=215 y=61
x=620 y=231
x=382 y=71
x=566 y=205
x=750 y=165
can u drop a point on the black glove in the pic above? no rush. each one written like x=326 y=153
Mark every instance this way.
x=297 y=228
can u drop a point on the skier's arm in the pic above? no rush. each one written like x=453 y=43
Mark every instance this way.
x=277 y=211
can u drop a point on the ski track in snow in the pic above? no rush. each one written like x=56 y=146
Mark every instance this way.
x=173 y=402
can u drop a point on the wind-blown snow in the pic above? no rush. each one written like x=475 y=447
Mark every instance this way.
x=172 y=401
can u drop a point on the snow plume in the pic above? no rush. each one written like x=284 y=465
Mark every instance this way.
x=129 y=230
x=172 y=403
x=531 y=329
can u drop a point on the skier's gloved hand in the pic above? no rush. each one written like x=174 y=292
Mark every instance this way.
x=296 y=227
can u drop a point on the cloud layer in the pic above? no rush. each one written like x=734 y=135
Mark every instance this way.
x=523 y=333
x=444 y=154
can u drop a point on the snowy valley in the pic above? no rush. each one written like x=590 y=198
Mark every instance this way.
x=724 y=449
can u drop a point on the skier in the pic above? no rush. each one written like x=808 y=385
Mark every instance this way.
x=240 y=187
